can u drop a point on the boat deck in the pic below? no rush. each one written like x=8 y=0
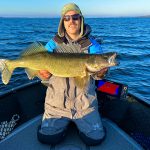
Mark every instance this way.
x=25 y=138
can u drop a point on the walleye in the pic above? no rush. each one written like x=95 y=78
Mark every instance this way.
x=77 y=65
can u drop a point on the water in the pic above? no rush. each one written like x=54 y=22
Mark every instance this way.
x=129 y=37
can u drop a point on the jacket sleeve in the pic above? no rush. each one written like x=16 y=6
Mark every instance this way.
x=51 y=46
x=95 y=47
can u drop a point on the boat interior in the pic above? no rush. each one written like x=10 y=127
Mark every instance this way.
x=127 y=122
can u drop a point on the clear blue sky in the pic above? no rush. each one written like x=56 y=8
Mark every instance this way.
x=52 y=8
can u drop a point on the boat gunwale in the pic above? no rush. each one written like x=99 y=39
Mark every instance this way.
x=14 y=90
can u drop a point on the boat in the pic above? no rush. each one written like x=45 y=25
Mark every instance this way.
x=127 y=122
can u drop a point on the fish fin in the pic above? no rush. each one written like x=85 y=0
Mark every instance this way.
x=31 y=73
x=34 y=48
x=35 y=73
x=6 y=71
x=81 y=82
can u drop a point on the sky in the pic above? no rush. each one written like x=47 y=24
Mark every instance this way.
x=89 y=8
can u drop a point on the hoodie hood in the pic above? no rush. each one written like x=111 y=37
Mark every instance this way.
x=87 y=30
x=66 y=8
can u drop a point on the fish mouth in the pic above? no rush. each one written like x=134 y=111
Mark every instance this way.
x=112 y=60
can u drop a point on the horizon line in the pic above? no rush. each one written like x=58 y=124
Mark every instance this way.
x=58 y=17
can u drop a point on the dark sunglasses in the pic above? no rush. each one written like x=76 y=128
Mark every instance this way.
x=74 y=17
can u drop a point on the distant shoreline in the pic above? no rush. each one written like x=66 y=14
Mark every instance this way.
x=148 y=16
x=145 y=16
x=49 y=17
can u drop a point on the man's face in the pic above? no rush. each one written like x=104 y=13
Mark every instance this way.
x=72 y=22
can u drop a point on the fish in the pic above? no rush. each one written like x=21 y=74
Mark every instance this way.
x=35 y=57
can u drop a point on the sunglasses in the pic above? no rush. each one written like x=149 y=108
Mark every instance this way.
x=74 y=17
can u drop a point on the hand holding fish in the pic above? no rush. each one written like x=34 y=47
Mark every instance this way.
x=44 y=74
x=102 y=73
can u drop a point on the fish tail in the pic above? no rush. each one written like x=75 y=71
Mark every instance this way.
x=6 y=71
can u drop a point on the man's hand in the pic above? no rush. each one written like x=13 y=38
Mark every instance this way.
x=101 y=73
x=44 y=74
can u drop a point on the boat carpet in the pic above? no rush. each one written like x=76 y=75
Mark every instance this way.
x=25 y=138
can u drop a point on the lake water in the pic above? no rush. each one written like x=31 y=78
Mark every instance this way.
x=129 y=37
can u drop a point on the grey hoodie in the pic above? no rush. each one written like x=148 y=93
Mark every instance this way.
x=63 y=98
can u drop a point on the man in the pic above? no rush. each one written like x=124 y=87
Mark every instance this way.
x=64 y=101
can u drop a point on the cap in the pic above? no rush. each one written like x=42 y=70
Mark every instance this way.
x=65 y=9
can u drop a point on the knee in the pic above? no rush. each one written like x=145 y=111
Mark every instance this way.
x=91 y=140
x=50 y=139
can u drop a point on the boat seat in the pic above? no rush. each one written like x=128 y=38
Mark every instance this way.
x=25 y=138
